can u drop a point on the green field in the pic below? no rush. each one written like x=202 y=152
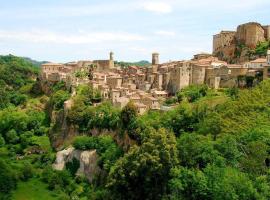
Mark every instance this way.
x=33 y=189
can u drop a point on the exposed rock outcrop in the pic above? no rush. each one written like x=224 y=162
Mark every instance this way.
x=88 y=161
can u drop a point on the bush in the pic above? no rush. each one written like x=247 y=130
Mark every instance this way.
x=12 y=137
x=192 y=93
x=73 y=166
x=8 y=180
x=27 y=172
x=106 y=148
x=2 y=141
x=58 y=99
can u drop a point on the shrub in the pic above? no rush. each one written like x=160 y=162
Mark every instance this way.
x=73 y=166
x=58 y=99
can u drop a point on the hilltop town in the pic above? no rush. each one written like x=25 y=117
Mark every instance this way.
x=149 y=86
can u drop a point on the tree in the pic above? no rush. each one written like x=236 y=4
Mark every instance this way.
x=214 y=183
x=2 y=141
x=180 y=120
x=12 y=137
x=262 y=47
x=8 y=180
x=143 y=172
x=211 y=124
x=73 y=166
x=128 y=114
x=228 y=183
x=255 y=155
x=192 y=93
x=27 y=172
x=58 y=99
x=187 y=184
x=197 y=151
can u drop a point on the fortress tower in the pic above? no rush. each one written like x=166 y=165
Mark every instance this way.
x=111 y=61
x=155 y=58
x=111 y=55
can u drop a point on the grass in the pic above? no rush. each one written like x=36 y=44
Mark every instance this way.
x=33 y=189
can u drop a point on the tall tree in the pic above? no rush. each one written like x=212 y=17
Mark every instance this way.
x=143 y=172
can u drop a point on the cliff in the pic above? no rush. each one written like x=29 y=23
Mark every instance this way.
x=62 y=132
x=87 y=160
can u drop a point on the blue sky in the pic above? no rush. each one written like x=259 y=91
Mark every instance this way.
x=67 y=30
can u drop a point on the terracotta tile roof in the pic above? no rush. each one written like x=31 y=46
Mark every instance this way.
x=259 y=60
x=52 y=64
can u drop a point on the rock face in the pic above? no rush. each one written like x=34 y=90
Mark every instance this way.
x=88 y=161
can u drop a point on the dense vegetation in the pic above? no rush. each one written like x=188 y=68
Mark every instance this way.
x=212 y=145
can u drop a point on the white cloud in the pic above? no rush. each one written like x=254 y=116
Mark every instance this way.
x=157 y=7
x=38 y=36
x=165 y=33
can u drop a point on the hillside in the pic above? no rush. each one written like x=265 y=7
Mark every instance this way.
x=34 y=62
x=17 y=76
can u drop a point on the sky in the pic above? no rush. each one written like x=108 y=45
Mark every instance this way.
x=70 y=30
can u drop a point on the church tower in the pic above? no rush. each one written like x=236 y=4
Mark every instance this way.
x=111 y=60
x=155 y=59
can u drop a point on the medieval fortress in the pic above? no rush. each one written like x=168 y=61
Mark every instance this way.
x=249 y=35
x=149 y=86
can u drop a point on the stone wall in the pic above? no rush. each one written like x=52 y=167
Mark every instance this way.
x=250 y=34
x=223 y=39
x=227 y=45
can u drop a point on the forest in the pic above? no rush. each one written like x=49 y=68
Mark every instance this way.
x=213 y=144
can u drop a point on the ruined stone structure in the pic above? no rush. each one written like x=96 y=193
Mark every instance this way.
x=226 y=43
x=250 y=34
x=223 y=39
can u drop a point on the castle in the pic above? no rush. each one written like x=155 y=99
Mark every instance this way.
x=250 y=34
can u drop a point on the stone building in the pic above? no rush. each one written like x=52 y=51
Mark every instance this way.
x=226 y=43
x=149 y=86
x=250 y=34
x=266 y=70
x=155 y=59
x=105 y=65
x=255 y=64
x=223 y=40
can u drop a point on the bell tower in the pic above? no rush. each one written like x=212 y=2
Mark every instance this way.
x=155 y=58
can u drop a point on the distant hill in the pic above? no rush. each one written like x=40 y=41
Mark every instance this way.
x=142 y=63
x=34 y=62
x=16 y=71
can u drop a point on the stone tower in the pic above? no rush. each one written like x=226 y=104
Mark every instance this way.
x=111 y=61
x=250 y=34
x=111 y=55
x=155 y=59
